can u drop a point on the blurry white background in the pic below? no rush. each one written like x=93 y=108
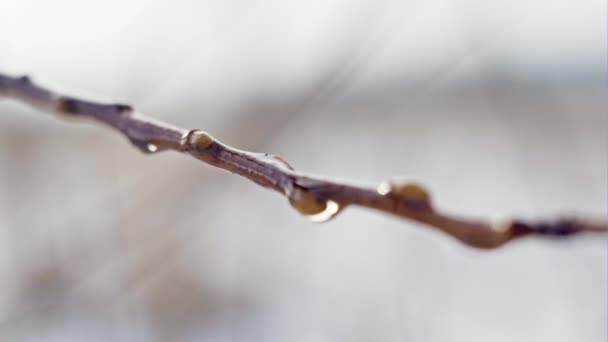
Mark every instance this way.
x=499 y=107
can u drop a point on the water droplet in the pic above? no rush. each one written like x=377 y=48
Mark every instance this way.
x=151 y=148
x=283 y=162
x=144 y=146
x=312 y=207
x=331 y=210
x=276 y=160
x=384 y=188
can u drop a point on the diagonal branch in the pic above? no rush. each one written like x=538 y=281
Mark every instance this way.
x=316 y=197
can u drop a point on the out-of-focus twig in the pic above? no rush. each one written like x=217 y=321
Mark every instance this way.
x=316 y=197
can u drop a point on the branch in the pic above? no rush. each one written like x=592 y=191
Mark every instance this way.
x=315 y=197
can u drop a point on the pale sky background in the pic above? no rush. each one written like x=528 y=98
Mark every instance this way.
x=227 y=49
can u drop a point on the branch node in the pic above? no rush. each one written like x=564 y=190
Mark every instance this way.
x=25 y=79
x=123 y=108
x=67 y=105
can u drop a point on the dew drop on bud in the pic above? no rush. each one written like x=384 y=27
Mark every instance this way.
x=312 y=207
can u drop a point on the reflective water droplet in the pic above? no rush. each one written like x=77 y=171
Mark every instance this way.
x=312 y=207
x=306 y=203
x=384 y=188
x=144 y=146
x=331 y=210
x=151 y=148
x=283 y=162
x=275 y=160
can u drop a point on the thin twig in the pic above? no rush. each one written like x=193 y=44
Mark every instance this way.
x=318 y=198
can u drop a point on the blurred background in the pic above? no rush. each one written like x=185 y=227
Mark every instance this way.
x=499 y=107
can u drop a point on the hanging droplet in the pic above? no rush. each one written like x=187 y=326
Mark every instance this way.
x=331 y=210
x=306 y=203
x=384 y=188
x=151 y=148
x=409 y=191
x=312 y=207
x=145 y=147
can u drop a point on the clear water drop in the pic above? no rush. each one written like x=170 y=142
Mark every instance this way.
x=283 y=162
x=384 y=188
x=277 y=161
x=144 y=146
x=331 y=210
x=309 y=205
x=151 y=148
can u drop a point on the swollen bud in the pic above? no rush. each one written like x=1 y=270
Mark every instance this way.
x=199 y=140
x=411 y=192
